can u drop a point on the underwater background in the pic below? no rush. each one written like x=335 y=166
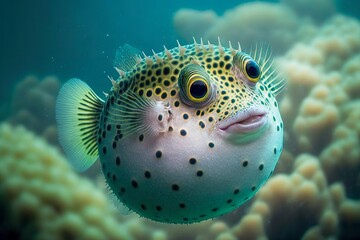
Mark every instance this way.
x=315 y=191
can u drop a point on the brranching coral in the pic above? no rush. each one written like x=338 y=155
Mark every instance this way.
x=322 y=111
x=42 y=198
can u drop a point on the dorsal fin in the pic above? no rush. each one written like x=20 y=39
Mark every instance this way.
x=78 y=111
x=125 y=57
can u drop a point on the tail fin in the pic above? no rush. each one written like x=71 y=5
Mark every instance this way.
x=78 y=111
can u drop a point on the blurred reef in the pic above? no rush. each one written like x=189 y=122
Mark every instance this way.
x=315 y=191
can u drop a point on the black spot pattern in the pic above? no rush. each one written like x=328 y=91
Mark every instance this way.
x=147 y=174
x=192 y=161
x=117 y=161
x=261 y=167
x=183 y=132
x=158 y=154
x=134 y=184
x=159 y=80
x=175 y=187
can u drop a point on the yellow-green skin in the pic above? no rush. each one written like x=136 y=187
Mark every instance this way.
x=186 y=169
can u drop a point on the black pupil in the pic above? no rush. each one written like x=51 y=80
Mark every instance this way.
x=252 y=69
x=198 y=89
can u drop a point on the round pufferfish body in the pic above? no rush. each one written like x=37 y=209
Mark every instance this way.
x=184 y=135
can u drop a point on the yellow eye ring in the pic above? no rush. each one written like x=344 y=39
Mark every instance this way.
x=251 y=70
x=195 y=86
x=197 y=89
x=248 y=67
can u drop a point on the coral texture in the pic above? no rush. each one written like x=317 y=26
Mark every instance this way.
x=258 y=21
x=323 y=83
x=33 y=106
x=316 y=10
x=42 y=198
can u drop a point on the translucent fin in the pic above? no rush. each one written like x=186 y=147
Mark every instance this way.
x=139 y=114
x=78 y=110
x=126 y=57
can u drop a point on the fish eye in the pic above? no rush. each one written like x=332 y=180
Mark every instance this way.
x=252 y=70
x=247 y=66
x=195 y=86
x=198 y=89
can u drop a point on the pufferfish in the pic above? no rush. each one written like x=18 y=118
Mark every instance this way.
x=184 y=135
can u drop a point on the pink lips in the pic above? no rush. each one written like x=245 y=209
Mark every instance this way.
x=245 y=121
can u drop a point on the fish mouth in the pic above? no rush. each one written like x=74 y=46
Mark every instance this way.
x=246 y=121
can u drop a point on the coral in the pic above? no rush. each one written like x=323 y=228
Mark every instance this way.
x=341 y=158
x=306 y=185
x=321 y=112
x=42 y=198
x=193 y=21
x=244 y=24
x=247 y=23
x=351 y=73
x=33 y=106
x=322 y=77
x=316 y=10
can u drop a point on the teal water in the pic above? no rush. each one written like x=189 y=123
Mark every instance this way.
x=79 y=39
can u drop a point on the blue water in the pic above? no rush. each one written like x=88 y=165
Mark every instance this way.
x=79 y=38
